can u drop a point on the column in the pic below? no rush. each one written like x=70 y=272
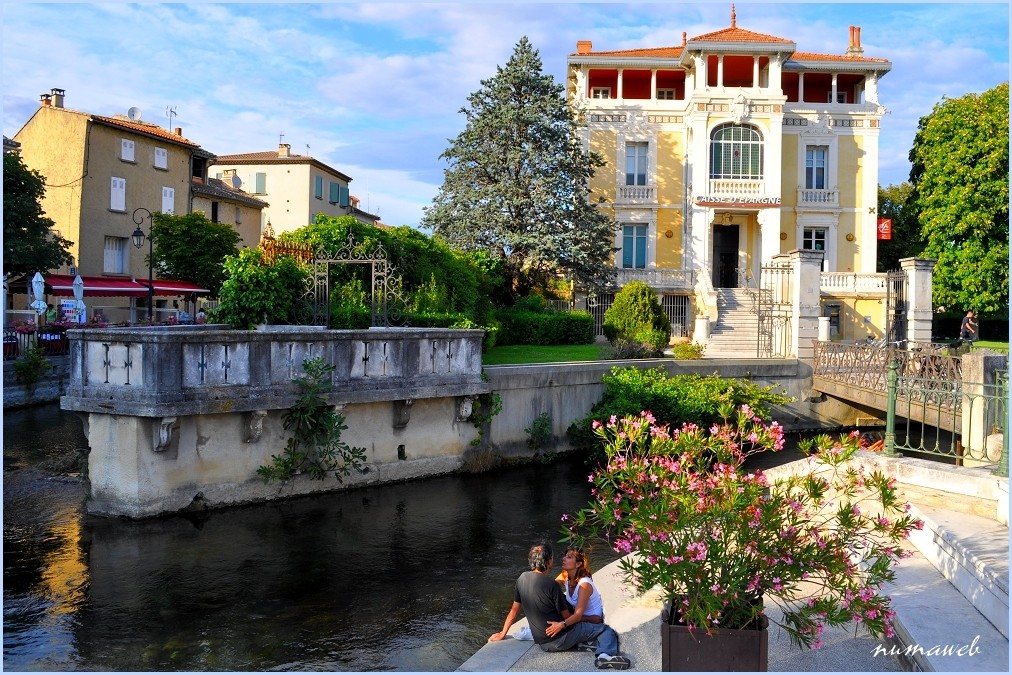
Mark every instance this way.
x=805 y=307
x=801 y=87
x=619 y=83
x=653 y=84
x=720 y=71
x=832 y=89
x=918 y=299
x=755 y=72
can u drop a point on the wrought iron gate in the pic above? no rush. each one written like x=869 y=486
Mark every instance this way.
x=597 y=305
x=387 y=304
x=896 y=307
x=773 y=306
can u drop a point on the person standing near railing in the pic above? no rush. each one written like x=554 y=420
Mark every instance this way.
x=968 y=327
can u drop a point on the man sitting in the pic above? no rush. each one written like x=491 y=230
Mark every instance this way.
x=548 y=614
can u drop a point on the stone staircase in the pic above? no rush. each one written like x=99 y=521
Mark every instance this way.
x=736 y=331
x=951 y=594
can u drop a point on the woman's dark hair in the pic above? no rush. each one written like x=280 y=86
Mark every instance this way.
x=540 y=556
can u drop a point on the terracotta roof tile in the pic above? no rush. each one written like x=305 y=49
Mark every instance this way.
x=657 y=52
x=809 y=56
x=215 y=187
x=735 y=34
x=145 y=128
x=260 y=157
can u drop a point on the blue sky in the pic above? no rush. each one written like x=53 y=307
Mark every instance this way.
x=374 y=89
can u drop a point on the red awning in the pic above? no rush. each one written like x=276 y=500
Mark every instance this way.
x=107 y=287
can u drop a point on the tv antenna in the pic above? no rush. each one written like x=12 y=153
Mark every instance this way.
x=170 y=112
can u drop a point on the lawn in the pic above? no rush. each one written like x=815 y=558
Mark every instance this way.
x=519 y=354
x=1000 y=347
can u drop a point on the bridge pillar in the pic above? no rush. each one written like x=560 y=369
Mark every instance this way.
x=805 y=306
x=919 y=278
x=982 y=408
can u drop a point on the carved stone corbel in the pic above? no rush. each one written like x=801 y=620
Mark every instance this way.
x=255 y=425
x=402 y=412
x=465 y=404
x=164 y=433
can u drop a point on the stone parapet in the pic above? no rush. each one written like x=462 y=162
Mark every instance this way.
x=192 y=370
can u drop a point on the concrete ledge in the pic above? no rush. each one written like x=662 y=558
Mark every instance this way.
x=933 y=622
x=972 y=553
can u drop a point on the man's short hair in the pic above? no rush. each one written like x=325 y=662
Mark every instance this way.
x=540 y=556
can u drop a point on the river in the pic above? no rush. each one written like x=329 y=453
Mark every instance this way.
x=412 y=576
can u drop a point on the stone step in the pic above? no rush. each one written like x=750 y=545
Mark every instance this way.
x=937 y=629
x=971 y=552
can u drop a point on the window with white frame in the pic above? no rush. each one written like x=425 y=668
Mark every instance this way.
x=117 y=194
x=169 y=200
x=318 y=187
x=815 y=167
x=736 y=152
x=161 y=158
x=600 y=92
x=126 y=150
x=114 y=261
x=665 y=94
x=814 y=239
x=634 y=246
x=636 y=163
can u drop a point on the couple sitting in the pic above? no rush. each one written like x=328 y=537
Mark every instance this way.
x=566 y=615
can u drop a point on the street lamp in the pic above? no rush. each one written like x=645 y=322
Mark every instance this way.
x=138 y=239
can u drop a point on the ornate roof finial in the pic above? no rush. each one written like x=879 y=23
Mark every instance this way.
x=734 y=17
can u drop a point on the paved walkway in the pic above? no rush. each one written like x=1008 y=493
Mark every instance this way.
x=931 y=612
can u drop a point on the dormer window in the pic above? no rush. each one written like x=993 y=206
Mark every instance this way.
x=600 y=92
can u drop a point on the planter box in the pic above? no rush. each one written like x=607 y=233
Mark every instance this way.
x=726 y=650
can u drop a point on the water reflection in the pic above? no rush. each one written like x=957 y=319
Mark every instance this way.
x=406 y=577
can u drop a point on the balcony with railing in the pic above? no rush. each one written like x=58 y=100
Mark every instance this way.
x=657 y=278
x=850 y=282
x=818 y=198
x=636 y=194
x=730 y=187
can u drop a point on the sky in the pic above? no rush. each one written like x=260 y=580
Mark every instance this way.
x=375 y=89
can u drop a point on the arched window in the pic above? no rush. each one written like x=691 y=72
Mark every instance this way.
x=736 y=152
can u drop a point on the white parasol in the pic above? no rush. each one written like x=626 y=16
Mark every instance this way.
x=79 y=298
x=39 y=288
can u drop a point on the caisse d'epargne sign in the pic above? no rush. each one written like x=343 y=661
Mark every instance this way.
x=753 y=201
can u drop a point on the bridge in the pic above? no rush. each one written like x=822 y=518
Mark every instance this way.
x=965 y=395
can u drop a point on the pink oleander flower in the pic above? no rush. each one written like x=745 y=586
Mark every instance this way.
x=714 y=535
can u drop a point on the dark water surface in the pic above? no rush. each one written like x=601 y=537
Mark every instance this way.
x=413 y=576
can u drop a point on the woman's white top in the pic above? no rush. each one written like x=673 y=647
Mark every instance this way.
x=594 y=605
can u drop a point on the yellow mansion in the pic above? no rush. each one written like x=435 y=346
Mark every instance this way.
x=728 y=150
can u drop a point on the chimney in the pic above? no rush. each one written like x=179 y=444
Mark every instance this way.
x=179 y=131
x=855 y=49
x=584 y=46
x=46 y=100
x=685 y=38
x=284 y=150
x=57 y=97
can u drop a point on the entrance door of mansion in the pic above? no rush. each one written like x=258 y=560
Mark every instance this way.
x=725 y=256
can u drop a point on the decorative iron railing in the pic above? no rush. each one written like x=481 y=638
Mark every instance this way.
x=52 y=341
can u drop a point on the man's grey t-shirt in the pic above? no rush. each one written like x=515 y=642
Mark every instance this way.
x=542 y=600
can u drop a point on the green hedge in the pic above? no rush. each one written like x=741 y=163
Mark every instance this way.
x=672 y=400
x=521 y=327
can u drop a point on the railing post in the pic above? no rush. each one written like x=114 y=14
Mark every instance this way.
x=890 y=433
x=1002 y=417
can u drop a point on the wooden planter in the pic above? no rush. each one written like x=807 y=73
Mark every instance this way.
x=726 y=650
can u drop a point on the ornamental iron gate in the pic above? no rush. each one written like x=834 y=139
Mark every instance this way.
x=896 y=308
x=386 y=301
x=773 y=301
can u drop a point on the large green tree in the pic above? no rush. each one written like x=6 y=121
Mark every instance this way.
x=960 y=178
x=192 y=248
x=894 y=204
x=517 y=184
x=30 y=243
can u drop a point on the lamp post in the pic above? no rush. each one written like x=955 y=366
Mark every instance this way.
x=138 y=239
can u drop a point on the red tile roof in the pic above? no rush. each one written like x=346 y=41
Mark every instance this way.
x=145 y=128
x=809 y=56
x=261 y=157
x=657 y=52
x=735 y=34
